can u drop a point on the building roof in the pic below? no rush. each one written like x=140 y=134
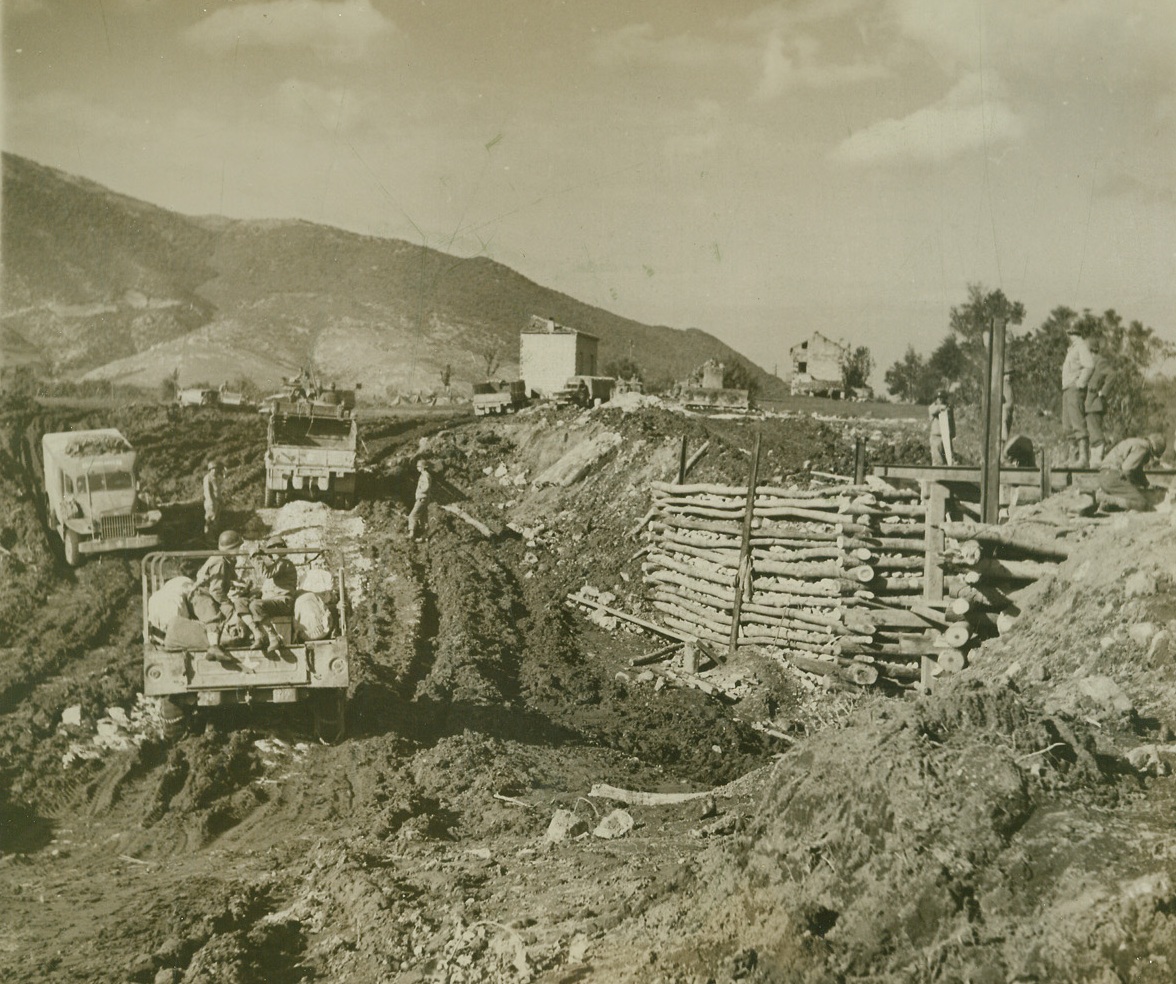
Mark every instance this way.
x=548 y=326
x=806 y=344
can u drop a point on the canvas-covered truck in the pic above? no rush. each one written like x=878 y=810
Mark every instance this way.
x=309 y=667
x=90 y=493
x=500 y=397
x=310 y=451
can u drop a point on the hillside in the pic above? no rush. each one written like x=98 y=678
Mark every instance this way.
x=102 y=285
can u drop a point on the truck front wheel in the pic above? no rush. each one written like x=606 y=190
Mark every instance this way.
x=328 y=709
x=173 y=719
x=73 y=547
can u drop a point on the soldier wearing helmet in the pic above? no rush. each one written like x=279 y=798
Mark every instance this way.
x=273 y=582
x=213 y=598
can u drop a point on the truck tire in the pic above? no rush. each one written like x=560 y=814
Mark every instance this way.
x=173 y=719
x=279 y=497
x=328 y=709
x=73 y=547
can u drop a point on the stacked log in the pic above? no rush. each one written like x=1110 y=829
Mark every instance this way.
x=838 y=578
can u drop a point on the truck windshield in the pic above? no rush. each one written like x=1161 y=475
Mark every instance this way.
x=113 y=481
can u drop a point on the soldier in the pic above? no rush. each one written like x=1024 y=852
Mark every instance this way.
x=420 y=510
x=212 y=498
x=1096 y=406
x=214 y=596
x=272 y=589
x=942 y=433
x=1121 y=481
x=1076 y=369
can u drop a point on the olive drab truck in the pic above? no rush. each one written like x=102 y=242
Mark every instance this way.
x=310 y=666
x=310 y=448
x=90 y=490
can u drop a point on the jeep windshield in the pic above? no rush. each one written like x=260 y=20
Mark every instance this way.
x=105 y=481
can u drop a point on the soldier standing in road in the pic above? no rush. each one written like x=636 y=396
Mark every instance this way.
x=420 y=510
x=212 y=498
x=1096 y=405
x=1076 y=369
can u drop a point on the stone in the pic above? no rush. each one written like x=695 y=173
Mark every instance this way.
x=565 y=824
x=1141 y=632
x=1140 y=585
x=1105 y=691
x=71 y=717
x=1161 y=646
x=616 y=824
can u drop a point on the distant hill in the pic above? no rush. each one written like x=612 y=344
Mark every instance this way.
x=100 y=285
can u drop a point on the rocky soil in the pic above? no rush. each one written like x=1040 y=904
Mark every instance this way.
x=1013 y=825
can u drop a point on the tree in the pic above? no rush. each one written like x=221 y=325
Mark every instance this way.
x=169 y=386
x=491 y=358
x=906 y=378
x=856 y=367
x=969 y=324
x=447 y=376
x=623 y=368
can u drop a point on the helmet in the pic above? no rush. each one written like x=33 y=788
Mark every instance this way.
x=1158 y=442
x=213 y=464
x=228 y=540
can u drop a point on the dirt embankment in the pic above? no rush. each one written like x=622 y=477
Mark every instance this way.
x=993 y=831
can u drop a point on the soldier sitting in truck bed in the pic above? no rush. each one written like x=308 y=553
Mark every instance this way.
x=273 y=584
x=214 y=598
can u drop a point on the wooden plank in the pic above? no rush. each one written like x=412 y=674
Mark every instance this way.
x=990 y=465
x=743 y=577
x=933 y=542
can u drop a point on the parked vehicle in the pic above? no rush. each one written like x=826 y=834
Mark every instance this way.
x=196 y=397
x=311 y=665
x=500 y=397
x=726 y=400
x=586 y=391
x=90 y=493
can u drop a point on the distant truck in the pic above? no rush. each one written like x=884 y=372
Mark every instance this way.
x=311 y=665
x=310 y=449
x=222 y=397
x=717 y=399
x=90 y=493
x=586 y=391
x=500 y=397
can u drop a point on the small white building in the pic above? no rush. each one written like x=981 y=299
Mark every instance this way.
x=816 y=366
x=549 y=354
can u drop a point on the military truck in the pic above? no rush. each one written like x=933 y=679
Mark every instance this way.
x=90 y=496
x=310 y=449
x=310 y=666
x=500 y=397
x=585 y=391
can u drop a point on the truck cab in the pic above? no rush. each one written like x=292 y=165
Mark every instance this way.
x=91 y=494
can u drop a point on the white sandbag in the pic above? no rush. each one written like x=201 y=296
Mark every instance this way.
x=319 y=580
x=169 y=603
x=312 y=620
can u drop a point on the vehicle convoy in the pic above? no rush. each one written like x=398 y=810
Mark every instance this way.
x=310 y=665
x=310 y=449
x=90 y=493
x=500 y=397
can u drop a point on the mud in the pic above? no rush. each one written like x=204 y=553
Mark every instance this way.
x=995 y=830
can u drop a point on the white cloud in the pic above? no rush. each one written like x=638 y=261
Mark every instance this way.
x=796 y=63
x=339 y=31
x=972 y=116
x=635 y=44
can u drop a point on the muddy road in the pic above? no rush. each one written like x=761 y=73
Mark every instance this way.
x=889 y=840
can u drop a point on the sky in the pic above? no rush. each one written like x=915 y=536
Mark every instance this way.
x=760 y=171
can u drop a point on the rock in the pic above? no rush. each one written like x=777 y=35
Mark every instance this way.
x=1141 y=632
x=1103 y=690
x=616 y=824
x=709 y=808
x=1161 y=646
x=167 y=975
x=565 y=824
x=71 y=717
x=1037 y=673
x=1140 y=585
x=646 y=676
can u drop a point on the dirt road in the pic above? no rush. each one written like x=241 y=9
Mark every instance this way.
x=958 y=837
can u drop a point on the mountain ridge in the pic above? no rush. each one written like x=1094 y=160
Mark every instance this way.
x=105 y=286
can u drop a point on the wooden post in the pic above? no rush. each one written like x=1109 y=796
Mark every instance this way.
x=682 y=462
x=993 y=398
x=933 y=541
x=743 y=576
x=1046 y=477
x=859 y=461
